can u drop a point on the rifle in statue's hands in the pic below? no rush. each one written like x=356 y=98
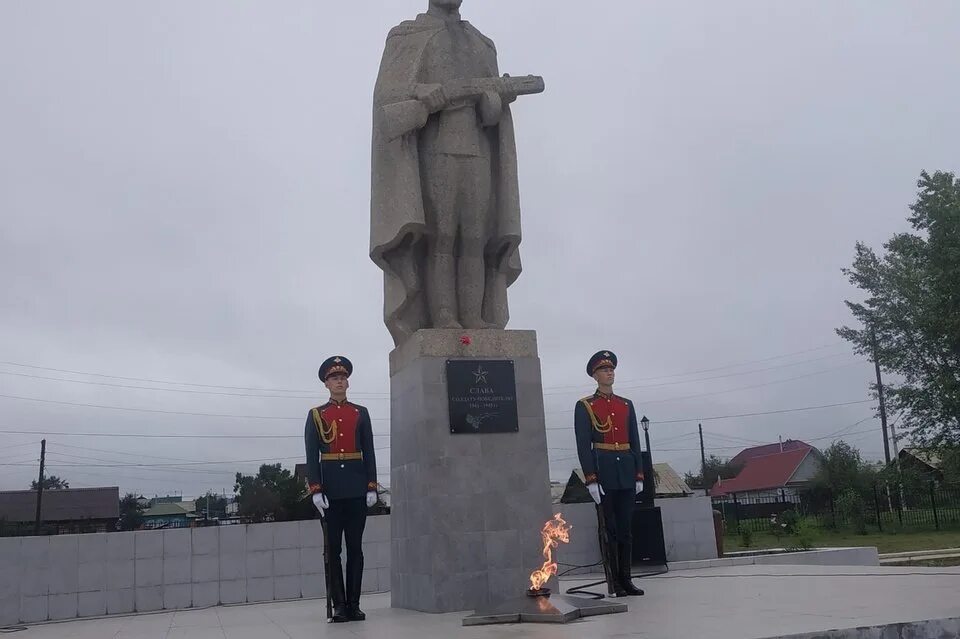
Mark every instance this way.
x=436 y=97
x=399 y=118
x=507 y=87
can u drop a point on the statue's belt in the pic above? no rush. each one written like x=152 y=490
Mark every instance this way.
x=340 y=456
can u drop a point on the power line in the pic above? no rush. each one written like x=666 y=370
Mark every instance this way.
x=716 y=417
x=831 y=436
x=280 y=436
x=276 y=417
x=734 y=438
x=153 y=381
x=167 y=464
x=20 y=458
x=114 y=474
x=750 y=387
x=808 y=439
x=147 y=410
x=718 y=368
x=58 y=445
x=166 y=412
x=260 y=389
x=731 y=390
x=150 y=467
x=627 y=385
x=155 y=435
x=33 y=443
x=847 y=428
x=181 y=465
x=157 y=388
x=68 y=467
x=771 y=412
x=192 y=462
x=740 y=374
x=675 y=438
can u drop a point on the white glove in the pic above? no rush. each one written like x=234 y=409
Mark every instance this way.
x=371 y=498
x=320 y=501
x=595 y=490
x=639 y=487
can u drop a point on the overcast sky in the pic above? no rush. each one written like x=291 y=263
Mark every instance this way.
x=184 y=197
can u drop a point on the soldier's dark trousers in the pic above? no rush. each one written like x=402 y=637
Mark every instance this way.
x=618 y=513
x=346 y=519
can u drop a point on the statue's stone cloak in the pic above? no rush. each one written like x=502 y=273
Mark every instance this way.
x=398 y=222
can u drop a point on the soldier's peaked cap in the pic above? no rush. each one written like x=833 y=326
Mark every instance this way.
x=335 y=364
x=601 y=359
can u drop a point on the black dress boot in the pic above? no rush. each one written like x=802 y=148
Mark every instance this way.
x=626 y=564
x=354 y=613
x=337 y=595
x=354 y=586
x=613 y=557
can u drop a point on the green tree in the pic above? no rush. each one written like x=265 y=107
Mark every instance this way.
x=212 y=505
x=842 y=469
x=950 y=465
x=714 y=468
x=852 y=508
x=274 y=494
x=912 y=306
x=51 y=483
x=914 y=482
x=131 y=513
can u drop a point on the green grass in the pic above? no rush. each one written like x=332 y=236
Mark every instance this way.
x=901 y=541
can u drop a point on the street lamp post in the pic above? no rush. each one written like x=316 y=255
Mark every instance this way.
x=646 y=433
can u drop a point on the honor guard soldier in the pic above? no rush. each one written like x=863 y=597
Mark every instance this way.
x=608 y=445
x=342 y=475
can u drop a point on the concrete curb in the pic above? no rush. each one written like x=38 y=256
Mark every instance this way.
x=949 y=627
x=857 y=556
x=919 y=553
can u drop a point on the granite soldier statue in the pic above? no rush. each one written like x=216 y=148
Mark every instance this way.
x=445 y=203
x=342 y=475
x=608 y=445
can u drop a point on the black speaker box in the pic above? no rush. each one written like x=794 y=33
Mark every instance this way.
x=647 y=532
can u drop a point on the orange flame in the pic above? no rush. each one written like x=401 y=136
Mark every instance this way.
x=554 y=531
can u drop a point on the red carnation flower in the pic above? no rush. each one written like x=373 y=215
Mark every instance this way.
x=465 y=340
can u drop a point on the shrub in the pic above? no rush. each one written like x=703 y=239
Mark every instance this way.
x=789 y=521
x=853 y=509
x=803 y=537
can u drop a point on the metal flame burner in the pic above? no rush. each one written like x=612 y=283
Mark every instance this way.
x=539 y=607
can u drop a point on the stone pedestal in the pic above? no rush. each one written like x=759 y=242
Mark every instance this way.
x=466 y=509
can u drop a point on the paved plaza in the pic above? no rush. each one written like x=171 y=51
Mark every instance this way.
x=742 y=602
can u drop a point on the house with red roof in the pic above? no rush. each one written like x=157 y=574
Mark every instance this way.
x=780 y=471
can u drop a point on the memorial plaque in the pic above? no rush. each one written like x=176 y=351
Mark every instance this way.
x=482 y=395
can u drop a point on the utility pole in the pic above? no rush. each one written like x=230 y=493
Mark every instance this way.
x=883 y=406
x=896 y=452
x=703 y=463
x=43 y=457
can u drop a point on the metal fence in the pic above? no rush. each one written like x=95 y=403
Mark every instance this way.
x=884 y=507
x=28 y=529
